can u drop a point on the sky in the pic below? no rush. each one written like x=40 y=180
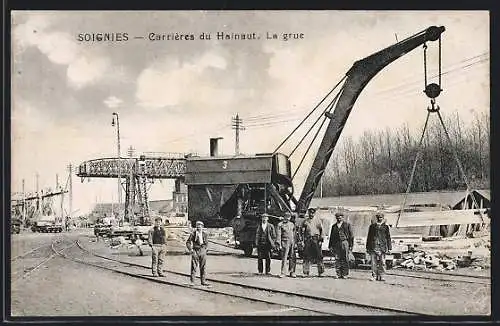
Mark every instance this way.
x=173 y=95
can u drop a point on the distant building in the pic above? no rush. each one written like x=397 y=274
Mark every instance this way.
x=180 y=197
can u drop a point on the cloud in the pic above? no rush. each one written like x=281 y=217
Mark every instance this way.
x=58 y=47
x=84 y=67
x=27 y=34
x=27 y=119
x=87 y=70
x=113 y=102
x=165 y=83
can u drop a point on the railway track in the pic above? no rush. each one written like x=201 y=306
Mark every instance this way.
x=13 y=259
x=425 y=275
x=290 y=299
x=472 y=279
x=26 y=266
x=179 y=282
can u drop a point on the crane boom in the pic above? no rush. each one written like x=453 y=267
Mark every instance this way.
x=358 y=77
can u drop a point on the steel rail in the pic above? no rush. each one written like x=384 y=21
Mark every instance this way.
x=275 y=291
x=178 y=284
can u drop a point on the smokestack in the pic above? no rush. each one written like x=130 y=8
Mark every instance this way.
x=214 y=146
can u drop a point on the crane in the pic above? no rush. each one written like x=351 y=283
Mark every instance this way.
x=237 y=190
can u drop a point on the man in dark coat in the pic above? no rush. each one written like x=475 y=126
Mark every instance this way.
x=341 y=243
x=197 y=244
x=378 y=244
x=265 y=241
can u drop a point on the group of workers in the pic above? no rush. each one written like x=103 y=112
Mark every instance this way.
x=288 y=238
x=197 y=244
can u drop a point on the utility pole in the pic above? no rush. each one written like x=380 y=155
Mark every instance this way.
x=38 y=203
x=70 y=169
x=237 y=125
x=119 y=162
x=24 y=205
x=62 y=197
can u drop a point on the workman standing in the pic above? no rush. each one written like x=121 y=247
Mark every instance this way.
x=197 y=244
x=378 y=244
x=341 y=243
x=265 y=242
x=285 y=240
x=157 y=240
x=312 y=233
x=295 y=247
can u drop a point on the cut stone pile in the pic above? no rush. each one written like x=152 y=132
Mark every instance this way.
x=221 y=234
x=421 y=260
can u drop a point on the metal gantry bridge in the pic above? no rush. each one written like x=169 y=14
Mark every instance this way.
x=136 y=171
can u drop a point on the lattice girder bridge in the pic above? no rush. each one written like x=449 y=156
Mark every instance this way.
x=137 y=172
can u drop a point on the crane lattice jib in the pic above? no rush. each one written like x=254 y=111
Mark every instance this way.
x=155 y=168
x=357 y=78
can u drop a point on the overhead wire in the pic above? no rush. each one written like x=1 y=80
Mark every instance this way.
x=309 y=147
x=451 y=70
x=328 y=108
x=310 y=113
x=415 y=88
x=397 y=94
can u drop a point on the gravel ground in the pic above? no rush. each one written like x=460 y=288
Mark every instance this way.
x=418 y=295
x=27 y=240
x=64 y=288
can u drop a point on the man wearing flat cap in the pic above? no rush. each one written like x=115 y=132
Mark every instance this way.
x=378 y=244
x=312 y=233
x=265 y=242
x=286 y=240
x=341 y=243
x=157 y=240
x=197 y=244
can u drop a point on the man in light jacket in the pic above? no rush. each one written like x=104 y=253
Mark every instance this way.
x=197 y=244
x=312 y=234
x=285 y=240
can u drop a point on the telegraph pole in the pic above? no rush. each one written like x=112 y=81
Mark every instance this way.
x=62 y=197
x=24 y=205
x=38 y=203
x=119 y=162
x=70 y=169
x=237 y=125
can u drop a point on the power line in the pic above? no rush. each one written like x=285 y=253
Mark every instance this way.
x=254 y=120
x=409 y=89
x=451 y=70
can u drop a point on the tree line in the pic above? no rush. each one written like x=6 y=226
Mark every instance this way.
x=381 y=162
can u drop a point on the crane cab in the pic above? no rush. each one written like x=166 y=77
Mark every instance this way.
x=235 y=191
